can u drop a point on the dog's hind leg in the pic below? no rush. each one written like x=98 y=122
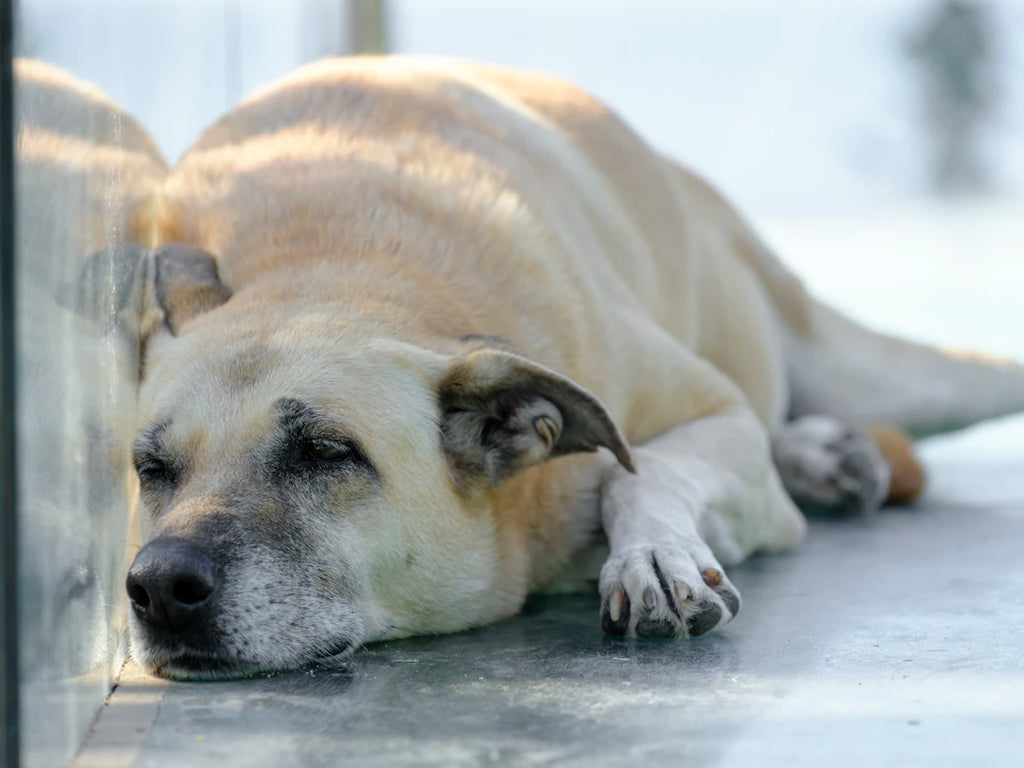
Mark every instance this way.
x=840 y=368
x=835 y=366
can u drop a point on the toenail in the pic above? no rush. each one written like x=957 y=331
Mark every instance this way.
x=615 y=605
x=649 y=598
x=731 y=600
x=711 y=577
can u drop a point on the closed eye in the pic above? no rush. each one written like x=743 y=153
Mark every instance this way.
x=326 y=455
x=152 y=469
x=326 y=451
x=155 y=468
x=316 y=444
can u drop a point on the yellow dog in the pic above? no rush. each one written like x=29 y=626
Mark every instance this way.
x=400 y=305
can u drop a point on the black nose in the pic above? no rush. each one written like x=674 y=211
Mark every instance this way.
x=171 y=583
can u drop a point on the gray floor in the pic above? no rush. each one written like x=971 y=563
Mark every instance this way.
x=894 y=640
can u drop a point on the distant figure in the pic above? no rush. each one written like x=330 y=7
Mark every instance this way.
x=955 y=53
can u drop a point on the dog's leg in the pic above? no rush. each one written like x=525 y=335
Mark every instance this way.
x=705 y=493
x=829 y=467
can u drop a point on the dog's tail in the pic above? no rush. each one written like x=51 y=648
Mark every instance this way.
x=841 y=368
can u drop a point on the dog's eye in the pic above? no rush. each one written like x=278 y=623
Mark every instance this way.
x=326 y=451
x=153 y=470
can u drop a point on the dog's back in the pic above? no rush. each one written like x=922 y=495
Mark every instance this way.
x=515 y=196
x=538 y=215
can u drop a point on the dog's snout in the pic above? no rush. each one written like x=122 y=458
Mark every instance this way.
x=171 y=583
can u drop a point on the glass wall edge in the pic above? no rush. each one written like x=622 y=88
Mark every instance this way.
x=9 y=696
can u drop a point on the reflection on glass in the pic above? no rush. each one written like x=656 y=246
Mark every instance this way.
x=85 y=172
x=87 y=179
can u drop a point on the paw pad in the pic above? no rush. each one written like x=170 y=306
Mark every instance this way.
x=707 y=617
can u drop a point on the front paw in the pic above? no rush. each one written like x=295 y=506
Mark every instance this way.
x=659 y=592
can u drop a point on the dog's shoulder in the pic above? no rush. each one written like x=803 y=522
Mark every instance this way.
x=407 y=94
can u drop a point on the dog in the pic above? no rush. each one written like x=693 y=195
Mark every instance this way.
x=417 y=334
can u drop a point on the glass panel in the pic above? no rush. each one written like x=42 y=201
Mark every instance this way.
x=88 y=173
x=9 y=746
x=84 y=170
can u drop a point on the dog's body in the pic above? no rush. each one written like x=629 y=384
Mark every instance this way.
x=343 y=433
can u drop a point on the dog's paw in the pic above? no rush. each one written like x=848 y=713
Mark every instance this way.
x=659 y=592
x=828 y=467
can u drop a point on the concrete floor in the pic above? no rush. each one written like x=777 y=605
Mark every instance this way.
x=896 y=640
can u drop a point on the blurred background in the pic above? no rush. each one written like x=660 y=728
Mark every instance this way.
x=790 y=105
x=878 y=145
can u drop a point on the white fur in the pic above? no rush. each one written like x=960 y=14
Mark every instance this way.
x=827 y=466
x=704 y=494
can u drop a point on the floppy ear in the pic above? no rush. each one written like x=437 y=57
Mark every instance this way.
x=105 y=287
x=501 y=414
x=186 y=283
x=140 y=291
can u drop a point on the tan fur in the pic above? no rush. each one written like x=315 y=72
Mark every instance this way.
x=424 y=200
x=908 y=476
x=409 y=183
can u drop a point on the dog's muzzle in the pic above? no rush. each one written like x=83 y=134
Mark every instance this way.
x=179 y=592
x=172 y=586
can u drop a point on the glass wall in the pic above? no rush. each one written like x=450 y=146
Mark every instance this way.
x=8 y=471
x=106 y=94
x=84 y=171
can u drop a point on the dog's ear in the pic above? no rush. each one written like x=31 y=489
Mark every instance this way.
x=186 y=283
x=105 y=288
x=140 y=291
x=501 y=414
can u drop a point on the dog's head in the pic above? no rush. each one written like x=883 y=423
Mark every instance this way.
x=312 y=483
